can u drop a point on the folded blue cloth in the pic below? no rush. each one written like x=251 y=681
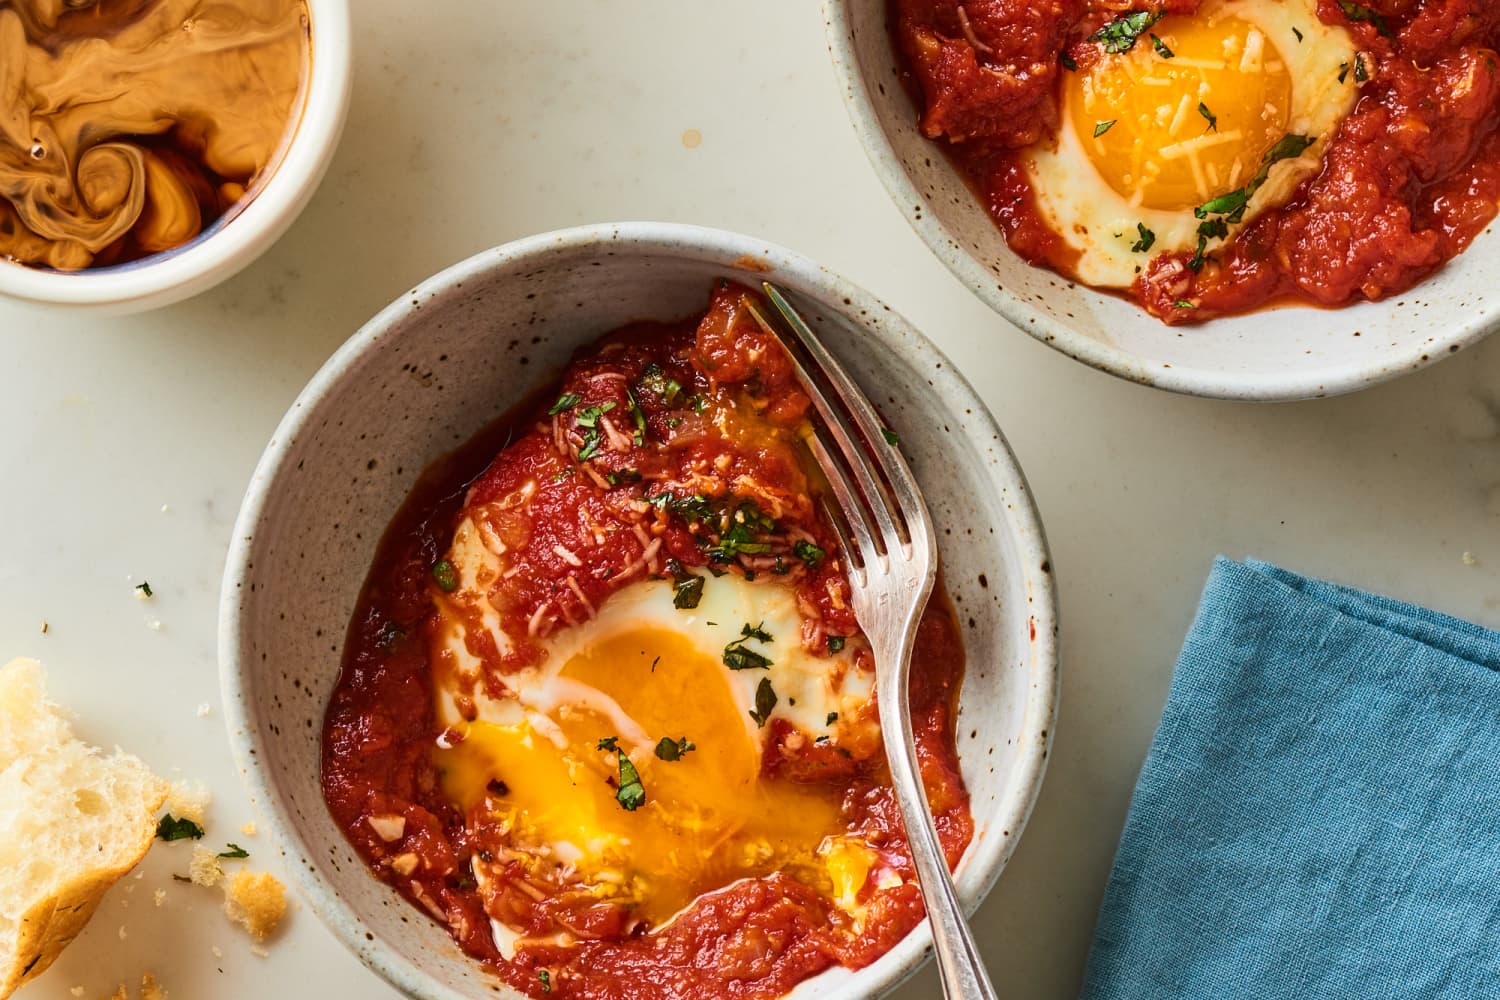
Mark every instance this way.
x=1319 y=815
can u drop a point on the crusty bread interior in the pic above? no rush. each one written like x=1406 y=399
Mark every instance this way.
x=72 y=822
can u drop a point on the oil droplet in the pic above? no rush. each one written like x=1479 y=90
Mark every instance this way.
x=692 y=138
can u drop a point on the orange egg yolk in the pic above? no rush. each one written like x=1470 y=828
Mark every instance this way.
x=709 y=817
x=1186 y=128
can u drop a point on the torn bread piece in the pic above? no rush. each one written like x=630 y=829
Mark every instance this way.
x=72 y=822
x=255 y=901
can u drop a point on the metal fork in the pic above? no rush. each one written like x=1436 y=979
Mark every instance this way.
x=891 y=555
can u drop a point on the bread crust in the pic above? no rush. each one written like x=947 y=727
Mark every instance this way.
x=51 y=924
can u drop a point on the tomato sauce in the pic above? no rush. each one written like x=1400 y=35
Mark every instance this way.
x=756 y=937
x=1408 y=181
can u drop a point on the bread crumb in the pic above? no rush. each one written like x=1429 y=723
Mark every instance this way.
x=218 y=952
x=165 y=508
x=161 y=896
x=204 y=868
x=248 y=829
x=204 y=709
x=259 y=952
x=1469 y=559
x=154 y=624
x=256 y=901
x=77 y=991
x=151 y=989
x=120 y=993
x=122 y=932
x=188 y=800
x=46 y=628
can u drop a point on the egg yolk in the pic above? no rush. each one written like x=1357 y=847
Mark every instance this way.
x=709 y=817
x=1187 y=128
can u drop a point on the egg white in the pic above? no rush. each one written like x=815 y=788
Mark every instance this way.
x=1092 y=217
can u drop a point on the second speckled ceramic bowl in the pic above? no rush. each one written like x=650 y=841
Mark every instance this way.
x=461 y=349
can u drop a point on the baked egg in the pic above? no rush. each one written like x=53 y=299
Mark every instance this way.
x=1187 y=127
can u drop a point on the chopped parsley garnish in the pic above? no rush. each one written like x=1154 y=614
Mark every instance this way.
x=757 y=632
x=631 y=794
x=1161 y=48
x=1357 y=12
x=1068 y=62
x=832 y=718
x=1104 y=127
x=1120 y=35
x=698 y=403
x=145 y=588
x=1298 y=33
x=1147 y=240
x=738 y=657
x=1361 y=75
x=234 y=853
x=622 y=476
x=890 y=437
x=687 y=593
x=1230 y=208
x=765 y=702
x=747 y=521
x=588 y=419
x=390 y=633
x=637 y=415
x=564 y=403
x=809 y=553
x=670 y=749
x=1184 y=304
x=1343 y=72
x=659 y=384
x=169 y=828
x=836 y=643
x=445 y=576
x=545 y=978
x=1209 y=116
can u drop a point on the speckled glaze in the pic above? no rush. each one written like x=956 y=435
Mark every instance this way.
x=1285 y=353
x=459 y=350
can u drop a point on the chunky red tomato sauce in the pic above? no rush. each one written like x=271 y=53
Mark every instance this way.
x=756 y=937
x=1412 y=176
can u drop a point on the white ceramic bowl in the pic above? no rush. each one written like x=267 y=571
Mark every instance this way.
x=164 y=278
x=1287 y=353
x=459 y=350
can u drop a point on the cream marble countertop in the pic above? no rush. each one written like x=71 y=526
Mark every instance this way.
x=128 y=442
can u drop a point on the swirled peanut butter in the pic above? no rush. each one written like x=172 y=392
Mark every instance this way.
x=127 y=127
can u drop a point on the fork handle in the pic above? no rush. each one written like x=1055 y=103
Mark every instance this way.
x=959 y=964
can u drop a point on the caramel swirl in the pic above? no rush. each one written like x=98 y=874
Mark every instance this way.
x=129 y=126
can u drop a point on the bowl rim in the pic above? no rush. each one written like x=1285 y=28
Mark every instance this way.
x=1210 y=383
x=176 y=274
x=989 y=854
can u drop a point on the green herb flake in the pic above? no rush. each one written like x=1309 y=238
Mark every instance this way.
x=757 y=632
x=588 y=419
x=1068 y=62
x=1298 y=33
x=145 y=588
x=890 y=437
x=636 y=414
x=446 y=576
x=169 y=829
x=1120 y=35
x=1230 y=208
x=765 y=702
x=687 y=593
x=235 y=853
x=1104 y=127
x=1161 y=48
x=809 y=553
x=1343 y=72
x=545 y=978
x=738 y=657
x=836 y=643
x=1208 y=116
x=1184 y=304
x=656 y=382
x=1358 y=12
x=632 y=794
x=832 y=718
x=564 y=403
x=669 y=749
x=1147 y=240
x=609 y=743
x=1361 y=75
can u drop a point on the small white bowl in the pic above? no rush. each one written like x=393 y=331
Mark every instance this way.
x=174 y=275
x=437 y=365
x=1285 y=353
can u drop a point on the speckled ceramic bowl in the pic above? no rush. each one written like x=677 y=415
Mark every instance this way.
x=452 y=354
x=1290 y=353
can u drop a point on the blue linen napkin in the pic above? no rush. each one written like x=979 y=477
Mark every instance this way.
x=1319 y=814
